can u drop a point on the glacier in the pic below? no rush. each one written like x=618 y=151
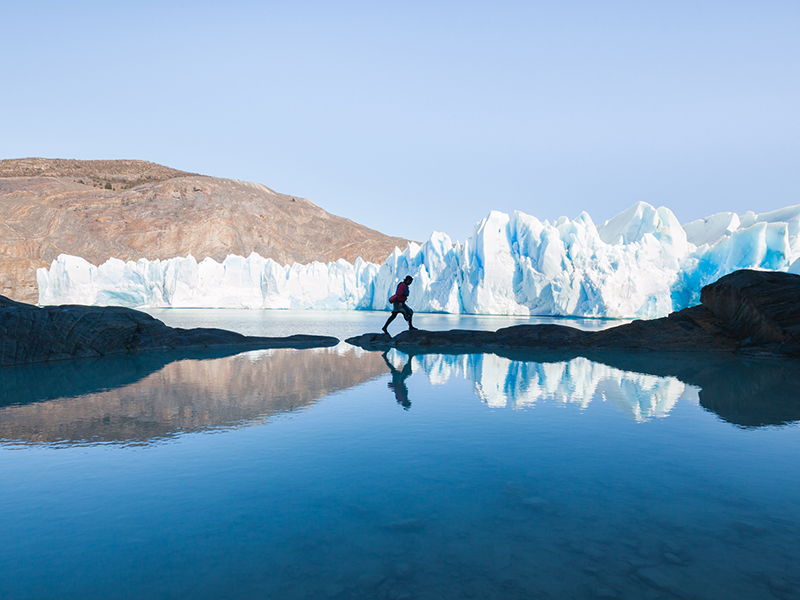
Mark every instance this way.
x=642 y=263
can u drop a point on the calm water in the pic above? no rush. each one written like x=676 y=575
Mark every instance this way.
x=339 y=473
x=344 y=324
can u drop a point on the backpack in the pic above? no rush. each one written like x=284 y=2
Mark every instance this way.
x=398 y=297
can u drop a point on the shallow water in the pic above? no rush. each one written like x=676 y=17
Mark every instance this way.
x=338 y=473
x=343 y=324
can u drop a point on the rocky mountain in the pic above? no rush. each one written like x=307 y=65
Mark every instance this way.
x=132 y=209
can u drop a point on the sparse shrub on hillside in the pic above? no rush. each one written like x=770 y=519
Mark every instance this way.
x=108 y=186
x=91 y=172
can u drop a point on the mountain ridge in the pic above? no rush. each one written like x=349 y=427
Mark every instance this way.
x=122 y=173
x=135 y=209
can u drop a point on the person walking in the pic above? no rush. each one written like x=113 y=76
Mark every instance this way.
x=399 y=305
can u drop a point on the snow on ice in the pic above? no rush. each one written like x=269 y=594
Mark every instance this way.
x=640 y=264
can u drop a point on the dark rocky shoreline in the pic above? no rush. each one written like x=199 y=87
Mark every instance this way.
x=29 y=334
x=753 y=313
x=746 y=312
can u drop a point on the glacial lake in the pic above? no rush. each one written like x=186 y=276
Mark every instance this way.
x=339 y=473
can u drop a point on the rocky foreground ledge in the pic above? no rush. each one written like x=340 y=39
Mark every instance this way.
x=746 y=312
x=29 y=334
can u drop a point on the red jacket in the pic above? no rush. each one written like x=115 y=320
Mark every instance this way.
x=401 y=295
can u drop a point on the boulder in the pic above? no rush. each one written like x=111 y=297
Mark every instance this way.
x=29 y=334
x=760 y=308
x=749 y=312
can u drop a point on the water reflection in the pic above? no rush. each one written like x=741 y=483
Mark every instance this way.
x=139 y=398
x=398 y=382
x=744 y=392
x=502 y=382
x=747 y=392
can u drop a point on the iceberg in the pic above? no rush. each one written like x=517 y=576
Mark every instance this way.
x=642 y=263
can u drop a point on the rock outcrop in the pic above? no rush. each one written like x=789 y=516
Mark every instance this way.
x=29 y=334
x=135 y=209
x=762 y=309
x=749 y=312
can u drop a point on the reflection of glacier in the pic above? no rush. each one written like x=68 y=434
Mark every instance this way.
x=642 y=263
x=501 y=382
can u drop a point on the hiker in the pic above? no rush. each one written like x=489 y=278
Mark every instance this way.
x=399 y=304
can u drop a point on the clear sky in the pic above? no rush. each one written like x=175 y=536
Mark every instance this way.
x=411 y=116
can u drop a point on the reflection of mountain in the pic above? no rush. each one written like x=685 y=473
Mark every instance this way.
x=744 y=392
x=143 y=397
x=128 y=401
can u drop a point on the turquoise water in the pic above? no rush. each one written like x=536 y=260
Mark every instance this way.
x=339 y=473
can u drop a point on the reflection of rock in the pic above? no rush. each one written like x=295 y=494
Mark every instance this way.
x=29 y=334
x=742 y=390
x=22 y=384
x=746 y=391
x=751 y=312
x=183 y=395
x=754 y=395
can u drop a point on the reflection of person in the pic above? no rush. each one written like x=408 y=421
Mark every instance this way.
x=398 y=382
x=399 y=304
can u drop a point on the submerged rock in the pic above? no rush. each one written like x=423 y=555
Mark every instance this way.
x=750 y=312
x=29 y=334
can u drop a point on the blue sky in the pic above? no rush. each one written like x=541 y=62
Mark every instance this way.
x=411 y=117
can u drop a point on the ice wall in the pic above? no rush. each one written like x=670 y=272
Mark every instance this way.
x=642 y=263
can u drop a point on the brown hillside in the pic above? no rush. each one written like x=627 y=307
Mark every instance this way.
x=46 y=215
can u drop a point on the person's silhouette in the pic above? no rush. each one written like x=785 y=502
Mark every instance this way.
x=399 y=305
x=398 y=382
